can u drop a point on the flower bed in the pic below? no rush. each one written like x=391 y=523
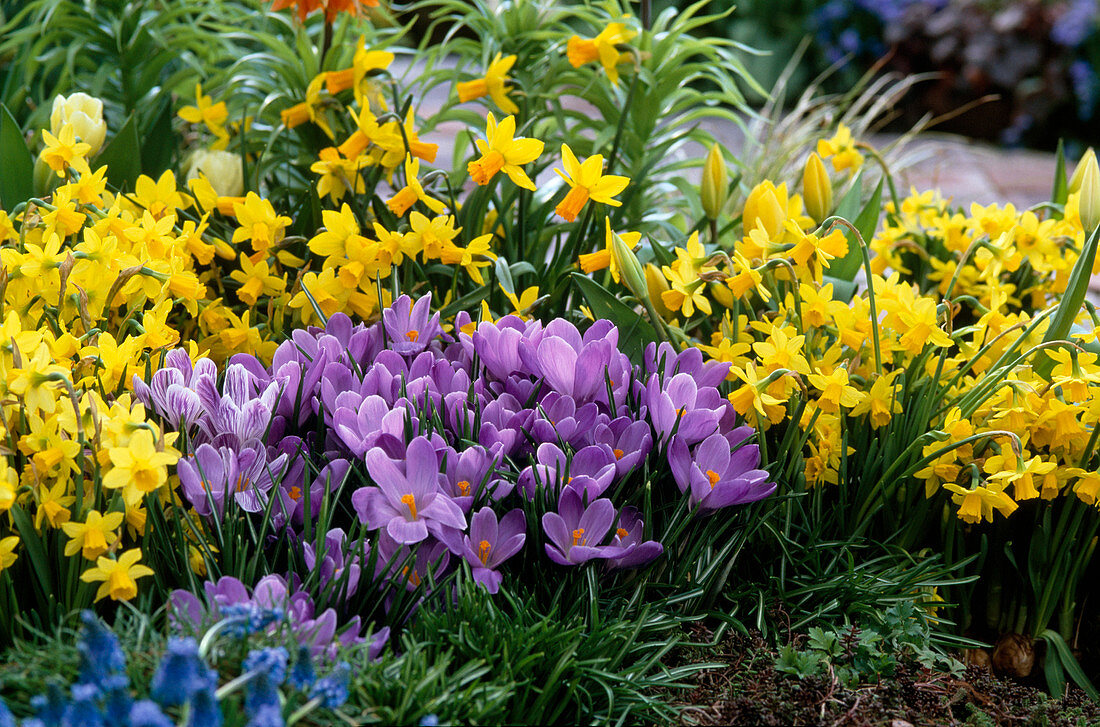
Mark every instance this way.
x=322 y=411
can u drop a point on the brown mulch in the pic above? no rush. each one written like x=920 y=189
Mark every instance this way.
x=750 y=691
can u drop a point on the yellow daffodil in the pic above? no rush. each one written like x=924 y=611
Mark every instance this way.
x=205 y=111
x=119 y=577
x=7 y=551
x=841 y=149
x=586 y=182
x=412 y=192
x=603 y=48
x=93 y=537
x=502 y=151
x=63 y=150
x=139 y=465
x=493 y=84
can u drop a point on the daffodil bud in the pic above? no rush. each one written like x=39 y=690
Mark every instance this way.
x=714 y=190
x=85 y=113
x=1090 y=194
x=221 y=168
x=1079 y=170
x=630 y=270
x=762 y=208
x=817 y=189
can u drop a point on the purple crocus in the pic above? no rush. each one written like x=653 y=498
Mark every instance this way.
x=213 y=473
x=630 y=441
x=335 y=563
x=680 y=406
x=491 y=543
x=408 y=504
x=628 y=535
x=575 y=532
x=411 y=327
x=717 y=477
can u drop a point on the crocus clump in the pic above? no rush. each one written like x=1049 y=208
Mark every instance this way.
x=455 y=440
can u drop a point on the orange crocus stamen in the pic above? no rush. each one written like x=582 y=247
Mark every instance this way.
x=483 y=549
x=295 y=493
x=619 y=454
x=413 y=335
x=578 y=536
x=713 y=477
x=410 y=501
x=463 y=488
x=621 y=532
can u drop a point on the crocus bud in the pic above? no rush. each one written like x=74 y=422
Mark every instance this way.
x=817 y=190
x=221 y=168
x=85 y=113
x=1079 y=170
x=630 y=270
x=714 y=190
x=762 y=207
x=1090 y=194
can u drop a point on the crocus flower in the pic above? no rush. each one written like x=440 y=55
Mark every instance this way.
x=491 y=543
x=630 y=441
x=716 y=477
x=408 y=504
x=575 y=532
x=628 y=535
x=411 y=327
x=680 y=406
x=335 y=562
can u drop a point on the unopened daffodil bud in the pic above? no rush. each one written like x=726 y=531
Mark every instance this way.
x=630 y=270
x=817 y=189
x=1090 y=194
x=221 y=168
x=762 y=207
x=714 y=190
x=85 y=113
x=1079 y=170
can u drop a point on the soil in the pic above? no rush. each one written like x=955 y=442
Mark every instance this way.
x=749 y=690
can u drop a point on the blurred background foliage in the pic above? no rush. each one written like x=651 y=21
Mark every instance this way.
x=1024 y=70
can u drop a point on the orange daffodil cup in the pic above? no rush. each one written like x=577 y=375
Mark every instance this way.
x=502 y=151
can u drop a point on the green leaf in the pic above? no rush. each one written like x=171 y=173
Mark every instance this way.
x=1062 y=321
x=17 y=181
x=866 y=222
x=635 y=332
x=1060 y=193
x=123 y=156
x=1061 y=651
x=156 y=152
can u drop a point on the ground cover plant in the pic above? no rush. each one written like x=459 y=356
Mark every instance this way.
x=325 y=425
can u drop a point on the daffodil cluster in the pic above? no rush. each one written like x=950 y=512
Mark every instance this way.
x=951 y=329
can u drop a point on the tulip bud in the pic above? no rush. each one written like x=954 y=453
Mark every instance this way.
x=630 y=270
x=762 y=207
x=1079 y=170
x=817 y=190
x=1090 y=195
x=221 y=168
x=85 y=113
x=656 y=285
x=714 y=190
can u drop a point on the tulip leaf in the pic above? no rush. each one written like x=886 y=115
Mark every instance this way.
x=866 y=222
x=635 y=332
x=1061 y=323
x=1060 y=193
x=123 y=156
x=17 y=181
x=156 y=152
x=1060 y=650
